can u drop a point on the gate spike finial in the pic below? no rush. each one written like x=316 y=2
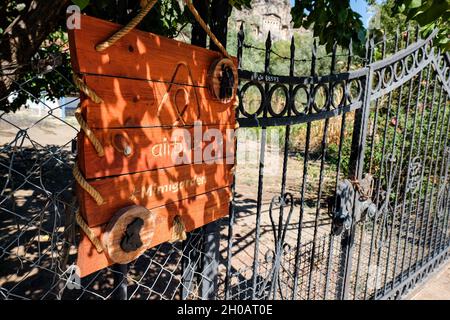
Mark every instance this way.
x=397 y=32
x=333 y=57
x=269 y=40
x=292 y=59
x=314 y=48
x=350 y=54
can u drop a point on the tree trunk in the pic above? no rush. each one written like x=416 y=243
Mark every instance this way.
x=23 y=37
x=198 y=35
x=219 y=22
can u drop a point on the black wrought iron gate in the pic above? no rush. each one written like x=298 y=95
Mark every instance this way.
x=359 y=207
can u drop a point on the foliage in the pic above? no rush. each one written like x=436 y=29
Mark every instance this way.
x=429 y=14
x=331 y=21
x=336 y=21
x=167 y=18
x=52 y=65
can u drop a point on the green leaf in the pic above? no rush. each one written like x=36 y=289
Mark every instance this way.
x=81 y=3
x=432 y=13
x=415 y=4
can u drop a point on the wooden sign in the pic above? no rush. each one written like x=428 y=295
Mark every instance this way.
x=157 y=97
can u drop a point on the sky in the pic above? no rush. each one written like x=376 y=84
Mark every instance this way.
x=359 y=6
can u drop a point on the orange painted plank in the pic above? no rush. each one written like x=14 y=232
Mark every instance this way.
x=135 y=103
x=195 y=212
x=152 y=189
x=139 y=55
x=142 y=149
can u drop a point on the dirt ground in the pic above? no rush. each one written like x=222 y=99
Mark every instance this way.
x=437 y=287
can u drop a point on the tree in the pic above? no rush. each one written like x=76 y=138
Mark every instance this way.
x=430 y=15
x=331 y=21
x=36 y=28
x=334 y=20
x=24 y=27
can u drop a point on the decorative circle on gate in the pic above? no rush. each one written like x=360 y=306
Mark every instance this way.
x=428 y=49
x=337 y=94
x=278 y=108
x=223 y=80
x=441 y=62
x=300 y=100
x=409 y=63
x=399 y=69
x=420 y=55
x=387 y=75
x=269 y=256
x=129 y=233
x=414 y=174
x=249 y=105
x=321 y=97
x=376 y=80
x=354 y=90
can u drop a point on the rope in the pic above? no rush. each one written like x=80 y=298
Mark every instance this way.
x=89 y=233
x=178 y=230
x=138 y=18
x=86 y=90
x=89 y=134
x=205 y=27
x=130 y=26
x=86 y=186
x=83 y=125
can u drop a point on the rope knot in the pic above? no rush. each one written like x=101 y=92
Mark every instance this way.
x=178 y=229
x=89 y=233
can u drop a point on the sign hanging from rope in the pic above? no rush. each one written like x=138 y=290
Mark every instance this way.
x=157 y=147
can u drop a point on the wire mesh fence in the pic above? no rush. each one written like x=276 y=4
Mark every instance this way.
x=38 y=233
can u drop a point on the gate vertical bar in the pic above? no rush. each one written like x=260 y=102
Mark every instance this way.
x=304 y=182
x=338 y=177
x=355 y=172
x=120 y=281
x=280 y=249
x=231 y=219
x=211 y=236
x=190 y=249
x=321 y=177
x=261 y=172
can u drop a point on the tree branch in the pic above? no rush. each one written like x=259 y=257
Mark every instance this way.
x=23 y=37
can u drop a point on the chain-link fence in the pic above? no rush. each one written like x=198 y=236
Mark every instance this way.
x=38 y=234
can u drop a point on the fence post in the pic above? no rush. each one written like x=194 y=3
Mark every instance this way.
x=191 y=250
x=211 y=232
x=355 y=172
x=120 y=281
x=231 y=218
